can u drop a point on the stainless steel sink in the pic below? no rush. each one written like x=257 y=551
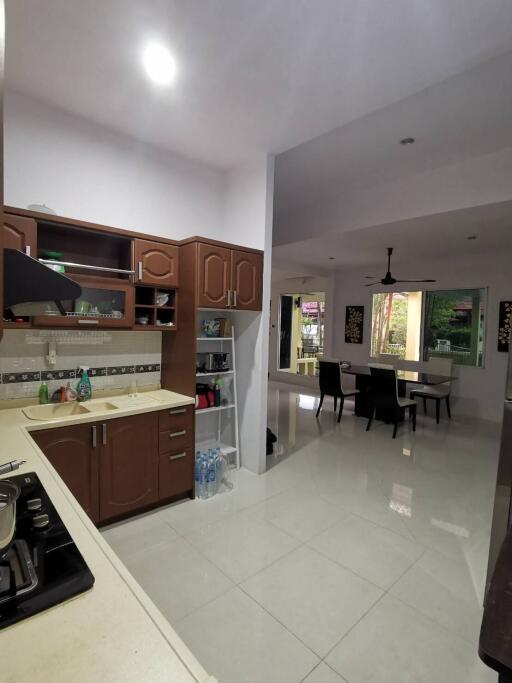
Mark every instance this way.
x=53 y=411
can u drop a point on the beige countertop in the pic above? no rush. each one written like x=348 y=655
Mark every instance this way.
x=112 y=632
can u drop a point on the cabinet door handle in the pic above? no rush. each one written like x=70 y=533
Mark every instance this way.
x=230 y=298
x=173 y=435
x=27 y=250
x=94 y=436
x=139 y=267
x=234 y=298
x=104 y=434
x=88 y=321
x=177 y=411
x=178 y=456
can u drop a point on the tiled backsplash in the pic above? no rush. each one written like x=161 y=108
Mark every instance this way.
x=116 y=359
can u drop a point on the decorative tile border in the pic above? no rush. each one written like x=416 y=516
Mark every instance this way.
x=16 y=377
x=49 y=375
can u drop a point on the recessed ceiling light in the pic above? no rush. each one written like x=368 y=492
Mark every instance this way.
x=472 y=237
x=159 y=64
x=407 y=141
x=332 y=258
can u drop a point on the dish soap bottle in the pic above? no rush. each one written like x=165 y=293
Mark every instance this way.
x=84 y=388
x=43 y=393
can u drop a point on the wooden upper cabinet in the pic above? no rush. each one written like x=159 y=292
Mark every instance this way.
x=246 y=280
x=128 y=463
x=71 y=451
x=20 y=233
x=156 y=263
x=214 y=276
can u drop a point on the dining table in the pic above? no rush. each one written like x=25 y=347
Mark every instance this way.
x=363 y=384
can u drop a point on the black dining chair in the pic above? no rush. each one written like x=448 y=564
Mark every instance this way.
x=331 y=384
x=384 y=399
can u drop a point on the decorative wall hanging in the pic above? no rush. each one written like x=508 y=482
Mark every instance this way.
x=354 y=317
x=504 y=325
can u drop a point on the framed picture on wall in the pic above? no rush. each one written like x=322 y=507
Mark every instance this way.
x=504 y=325
x=354 y=318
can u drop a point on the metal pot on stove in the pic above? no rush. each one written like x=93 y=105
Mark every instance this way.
x=9 y=494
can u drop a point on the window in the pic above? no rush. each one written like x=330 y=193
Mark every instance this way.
x=454 y=326
x=301 y=328
x=396 y=324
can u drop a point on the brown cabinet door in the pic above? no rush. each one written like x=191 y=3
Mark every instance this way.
x=71 y=451
x=214 y=276
x=156 y=263
x=128 y=463
x=246 y=279
x=176 y=473
x=20 y=233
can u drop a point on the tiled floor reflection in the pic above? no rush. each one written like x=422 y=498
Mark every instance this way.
x=355 y=558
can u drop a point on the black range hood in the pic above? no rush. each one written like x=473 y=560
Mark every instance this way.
x=29 y=285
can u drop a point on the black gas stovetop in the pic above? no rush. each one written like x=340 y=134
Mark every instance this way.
x=43 y=566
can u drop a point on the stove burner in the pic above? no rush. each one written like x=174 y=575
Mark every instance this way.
x=17 y=573
x=43 y=566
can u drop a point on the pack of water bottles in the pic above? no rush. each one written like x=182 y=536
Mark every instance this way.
x=210 y=468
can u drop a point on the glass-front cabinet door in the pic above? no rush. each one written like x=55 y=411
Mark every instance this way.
x=105 y=302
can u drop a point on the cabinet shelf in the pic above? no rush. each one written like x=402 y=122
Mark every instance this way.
x=214 y=374
x=214 y=338
x=215 y=409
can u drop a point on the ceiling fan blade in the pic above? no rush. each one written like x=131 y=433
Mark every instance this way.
x=416 y=280
x=371 y=284
x=370 y=277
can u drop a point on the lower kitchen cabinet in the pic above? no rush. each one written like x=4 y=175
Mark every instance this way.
x=114 y=467
x=128 y=464
x=71 y=450
x=176 y=472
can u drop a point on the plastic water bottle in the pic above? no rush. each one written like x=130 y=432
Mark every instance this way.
x=203 y=479
x=197 y=470
x=212 y=475
x=219 y=468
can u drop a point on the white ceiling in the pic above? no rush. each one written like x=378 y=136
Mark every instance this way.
x=466 y=115
x=433 y=237
x=253 y=76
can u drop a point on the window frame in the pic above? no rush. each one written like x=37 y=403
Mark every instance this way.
x=425 y=292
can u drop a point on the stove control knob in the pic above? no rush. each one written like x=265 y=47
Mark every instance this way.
x=40 y=521
x=34 y=504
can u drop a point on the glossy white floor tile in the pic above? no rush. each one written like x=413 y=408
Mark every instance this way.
x=376 y=553
x=237 y=641
x=323 y=674
x=365 y=551
x=178 y=578
x=242 y=545
x=139 y=535
x=316 y=599
x=299 y=512
x=444 y=590
x=394 y=642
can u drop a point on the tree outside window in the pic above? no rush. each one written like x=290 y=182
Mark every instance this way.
x=396 y=324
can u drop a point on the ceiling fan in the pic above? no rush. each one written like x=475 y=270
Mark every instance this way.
x=388 y=279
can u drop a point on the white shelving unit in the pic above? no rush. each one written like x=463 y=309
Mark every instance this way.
x=227 y=412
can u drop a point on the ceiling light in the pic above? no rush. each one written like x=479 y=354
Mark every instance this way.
x=472 y=237
x=159 y=64
x=407 y=141
x=332 y=258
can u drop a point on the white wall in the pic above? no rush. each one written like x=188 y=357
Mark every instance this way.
x=249 y=201
x=85 y=171
x=303 y=285
x=478 y=392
